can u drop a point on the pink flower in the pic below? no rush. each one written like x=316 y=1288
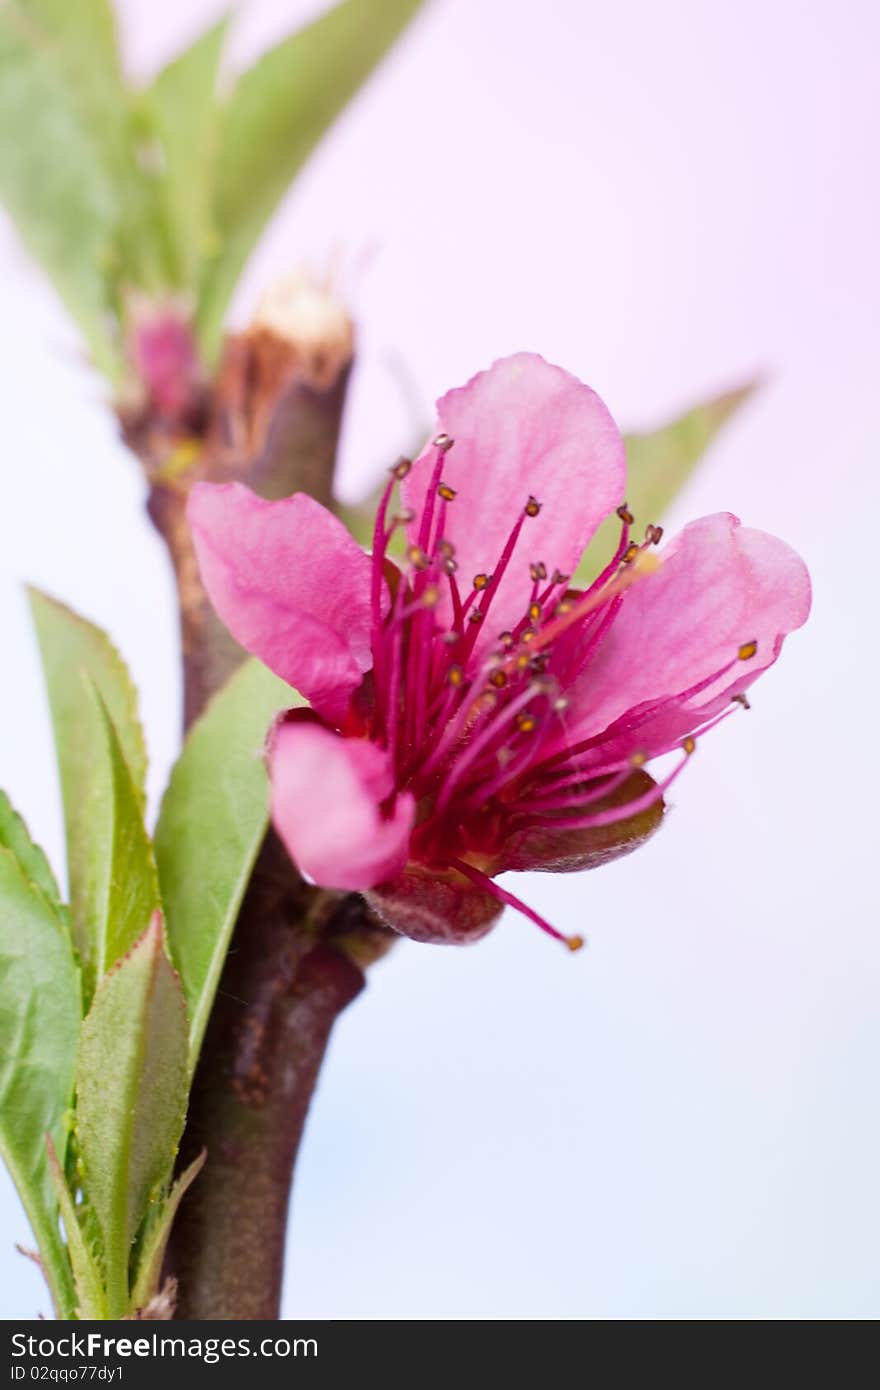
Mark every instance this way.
x=470 y=713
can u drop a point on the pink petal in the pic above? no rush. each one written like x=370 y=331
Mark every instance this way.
x=326 y=807
x=523 y=428
x=290 y=583
x=720 y=586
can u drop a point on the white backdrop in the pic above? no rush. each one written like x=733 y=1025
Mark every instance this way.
x=682 y=1120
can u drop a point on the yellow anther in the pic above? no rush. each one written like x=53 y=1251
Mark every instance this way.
x=455 y=675
x=446 y=492
x=444 y=443
x=430 y=596
x=446 y=549
x=182 y=457
x=638 y=759
x=401 y=468
x=532 y=507
x=528 y=634
x=625 y=515
x=482 y=581
x=630 y=553
x=534 y=611
x=747 y=650
x=574 y=943
x=498 y=679
x=689 y=745
x=506 y=639
x=563 y=608
x=525 y=722
x=522 y=661
x=417 y=557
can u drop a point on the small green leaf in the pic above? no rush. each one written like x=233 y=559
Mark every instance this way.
x=55 y=185
x=90 y=1300
x=14 y=836
x=131 y=1085
x=40 y=1013
x=77 y=43
x=183 y=109
x=70 y=643
x=122 y=889
x=149 y=1274
x=659 y=464
x=212 y=822
x=278 y=111
x=95 y=747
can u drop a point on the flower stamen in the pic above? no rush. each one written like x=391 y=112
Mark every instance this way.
x=501 y=895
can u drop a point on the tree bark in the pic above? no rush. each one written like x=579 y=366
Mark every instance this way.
x=283 y=988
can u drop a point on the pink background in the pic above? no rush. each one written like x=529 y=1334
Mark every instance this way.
x=681 y=1122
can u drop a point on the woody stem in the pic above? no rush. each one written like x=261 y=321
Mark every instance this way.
x=282 y=990
x=286 y=977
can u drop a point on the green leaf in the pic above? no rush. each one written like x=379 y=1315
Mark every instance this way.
x=90 y=1300
x=278 y=111
x=183 y=109
x=212 y=822
x=15 y=837
x=131 y=1085
x=70 y=643
x=149 y=1274
x=80 y=170
x=40 y=1013
x=78 y=42
x=55 y=185
x=121 y=882
x=659 y=464
x=95 y=746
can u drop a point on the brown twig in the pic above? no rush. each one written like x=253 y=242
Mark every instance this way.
x=272 y=420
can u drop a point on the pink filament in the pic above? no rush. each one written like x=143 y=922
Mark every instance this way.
x=501 y=895
x=614 y=813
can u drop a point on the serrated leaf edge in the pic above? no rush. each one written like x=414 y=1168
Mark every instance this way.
x=127 y=685
x=87 y=1279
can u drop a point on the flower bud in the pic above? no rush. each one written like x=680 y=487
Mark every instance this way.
x=284 y=377
x=163 y=356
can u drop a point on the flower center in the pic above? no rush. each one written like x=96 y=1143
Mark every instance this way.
x=464 y=719
x=475 y=728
